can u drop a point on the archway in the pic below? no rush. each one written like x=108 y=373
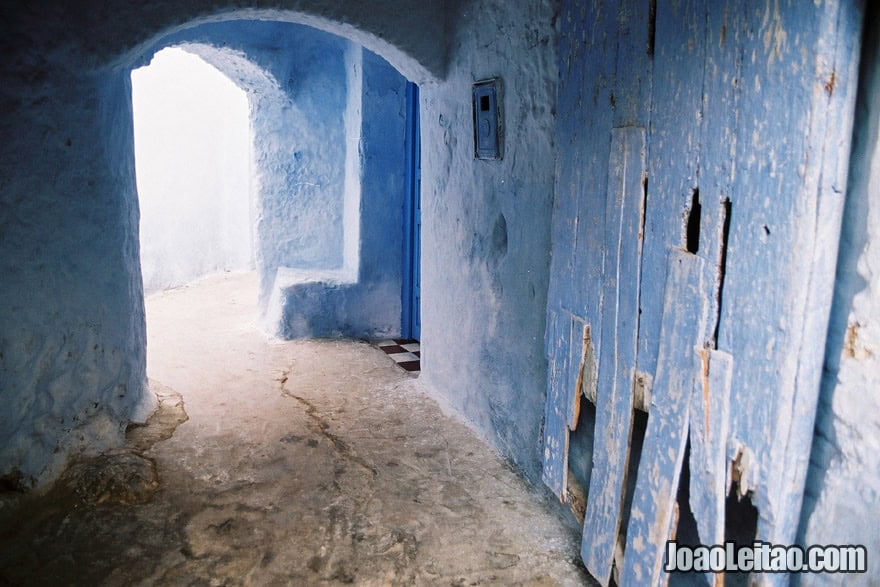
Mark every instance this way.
x=329 y=174
x=193 y=158
x=78 y=232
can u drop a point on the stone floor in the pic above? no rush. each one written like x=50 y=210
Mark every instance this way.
x=284 y=463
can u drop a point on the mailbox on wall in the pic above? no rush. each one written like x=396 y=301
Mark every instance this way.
x=488 y=133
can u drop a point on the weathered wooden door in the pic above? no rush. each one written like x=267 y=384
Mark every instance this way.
x=703 y=154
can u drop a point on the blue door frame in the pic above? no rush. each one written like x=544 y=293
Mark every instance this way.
x=412 y=223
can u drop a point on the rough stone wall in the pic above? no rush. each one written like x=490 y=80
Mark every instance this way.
x=843 y=486
x=72 y=334
x=486 y=227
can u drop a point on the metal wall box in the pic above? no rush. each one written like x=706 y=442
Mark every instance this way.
x=488 y=130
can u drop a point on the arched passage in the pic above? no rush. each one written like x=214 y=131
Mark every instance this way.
x=92 y=379
x=328 y=122
x=412 y=42
x=72 y=327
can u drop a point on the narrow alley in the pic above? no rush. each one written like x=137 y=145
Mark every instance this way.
x=305 y=462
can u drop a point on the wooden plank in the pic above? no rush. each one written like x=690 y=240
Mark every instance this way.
x=632 y=85
x=574 y=370
x=721 y=89
x=787 y=195
x=586 y=380
x=587 y=122
x=555 y=456
x=586 y=60
x=685 y=322
x=817 y=230
x=709 y=417
x=710 y=399
x=709 y=404
x=673 y=154
x=567 y=357
x=624 y=215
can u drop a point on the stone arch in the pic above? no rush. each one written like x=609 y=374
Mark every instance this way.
x=410 y=35
x=268 y=94
x=305 y=187
x=67 y=112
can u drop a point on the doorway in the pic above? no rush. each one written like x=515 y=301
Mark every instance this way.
x=192 y=155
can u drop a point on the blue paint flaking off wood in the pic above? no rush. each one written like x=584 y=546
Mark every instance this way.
x=721 y=88
x=709 y=427
x=574 y=102
x=673 y=154
x=565 y=334
x=831 y=114
x=555 y=456
x=586 y=380
x=686 y=318
x=710 y=410
x=584 y=126
x=614 y=404
x=786 y=203
x=573 y=370
x=751 y=101
x=632 y=84
x=584 y=118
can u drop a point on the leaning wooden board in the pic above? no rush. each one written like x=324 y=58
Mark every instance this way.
x=584 y=122
x=709 y=428
x=684 y=327
x=617 y=364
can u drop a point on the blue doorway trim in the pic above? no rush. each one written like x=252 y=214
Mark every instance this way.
x=412 y=223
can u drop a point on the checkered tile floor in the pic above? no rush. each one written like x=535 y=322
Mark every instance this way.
x=405 y=352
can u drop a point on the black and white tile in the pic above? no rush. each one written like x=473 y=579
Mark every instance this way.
x=406 y=352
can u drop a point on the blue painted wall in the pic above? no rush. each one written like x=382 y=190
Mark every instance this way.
x=72 y=332
x=367 y=302
x=486 y=228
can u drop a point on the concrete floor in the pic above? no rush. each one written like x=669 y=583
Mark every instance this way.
x=300 y=463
